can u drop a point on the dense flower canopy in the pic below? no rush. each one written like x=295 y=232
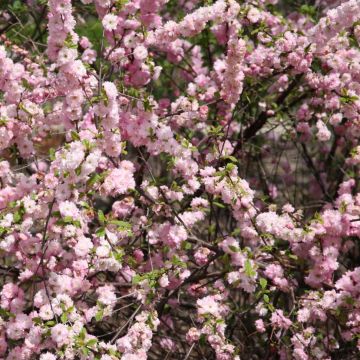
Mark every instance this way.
x=179 y=179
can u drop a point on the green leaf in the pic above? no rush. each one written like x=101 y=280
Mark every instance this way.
x=68 y=219
x=101 y=217
x=5 y=314
x=100 y=232
x=202 y=340
x=26 y=84
x=85 y=351
x=263 y=283
x=249 y=271
x=118 y=256
x=234 y=248
x=17 y=6
x=147 y=106
x=177 y=262
x=87 y=144
x=99 y=315
x=78 y=171
x=77 y=223
x=82 y=334
x=37 y=320
x=346 y=98
x=91 y=342
x=231 y=158
x=123 y=224
x=68 y=42
x=94 y=179
x=230 y=167
x=308 y=10
x=85 y=205
x=185 y=245
x=12 y=204
x=219 y=205
x=64 y=317
x=120 y=3
x=137 y=279
x=316 y=65
x=75 y=136
x=17 y=217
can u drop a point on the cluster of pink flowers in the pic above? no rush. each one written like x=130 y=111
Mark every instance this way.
x=180 y=180
x=336 y=20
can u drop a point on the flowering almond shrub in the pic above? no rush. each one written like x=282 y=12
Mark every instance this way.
x=179 y=179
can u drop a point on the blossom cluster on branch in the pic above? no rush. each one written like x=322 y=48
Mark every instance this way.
x=179 y=179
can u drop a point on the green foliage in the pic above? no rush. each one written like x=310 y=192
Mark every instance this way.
x=309 y=10
x=93 y=30
x=249 y=270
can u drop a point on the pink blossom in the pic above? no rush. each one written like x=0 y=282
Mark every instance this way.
x=60 y=334
x=174 y=173
x=110 y=22
x=279 y=320
x=260 y=326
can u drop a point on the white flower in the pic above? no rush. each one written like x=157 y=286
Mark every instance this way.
x=60 y=334
x=29 y=205
x=66 y=55
x=110 y=22
x=46 y=312
x=140 y=53
x=164 y=281
x=47 y=356
x=68 y=208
